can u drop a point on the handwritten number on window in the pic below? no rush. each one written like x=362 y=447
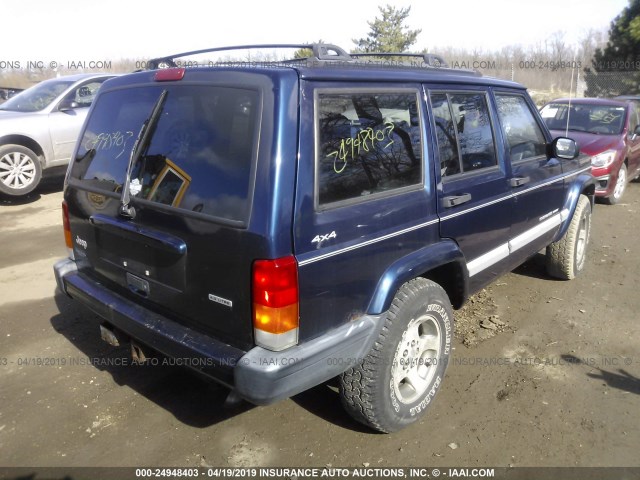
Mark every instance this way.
x=366 y=140
x=107 y=141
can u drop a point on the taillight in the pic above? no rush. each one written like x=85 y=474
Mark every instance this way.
x=169 y=74
x=275 y=303
x=67 y=229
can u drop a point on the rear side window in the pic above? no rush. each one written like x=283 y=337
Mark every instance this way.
x=523 y=134
x=464 y=132
x=200 y=156
x=368 y=144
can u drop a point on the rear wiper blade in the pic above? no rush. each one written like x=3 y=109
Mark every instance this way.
x=145 y=134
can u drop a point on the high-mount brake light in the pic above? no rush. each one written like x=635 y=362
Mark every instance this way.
x=169 y=74
x=275 y=303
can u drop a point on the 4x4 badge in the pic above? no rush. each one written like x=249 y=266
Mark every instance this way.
x=322 y=238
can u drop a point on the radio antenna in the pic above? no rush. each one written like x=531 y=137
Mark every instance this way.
x=573 y=67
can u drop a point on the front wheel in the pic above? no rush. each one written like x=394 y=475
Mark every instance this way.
x=20 y=170
x=395 y=383
x=566 y=257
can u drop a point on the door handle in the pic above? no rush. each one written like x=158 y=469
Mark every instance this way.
x=455 y=200
x=519 y=181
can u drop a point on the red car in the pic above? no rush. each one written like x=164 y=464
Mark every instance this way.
x=608 y=131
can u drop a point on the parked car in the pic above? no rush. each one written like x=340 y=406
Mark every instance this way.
x=39 y=128
x=633 y=98
x=279 y=225
x=6 y=93
x=605 y=129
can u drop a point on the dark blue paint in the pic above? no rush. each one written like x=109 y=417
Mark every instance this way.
x=415 y=264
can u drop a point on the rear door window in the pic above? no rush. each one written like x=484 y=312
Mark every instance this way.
x=369 y=145
x=200 y=157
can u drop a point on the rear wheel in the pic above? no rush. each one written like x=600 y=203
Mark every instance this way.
x=20 y=170
x=618 y=190
x=397 y=380
x=566 y=257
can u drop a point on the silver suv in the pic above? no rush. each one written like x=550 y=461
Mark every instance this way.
x=39 y=128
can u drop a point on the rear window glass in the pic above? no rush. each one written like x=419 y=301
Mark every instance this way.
x=199 y=157
x=369 y=144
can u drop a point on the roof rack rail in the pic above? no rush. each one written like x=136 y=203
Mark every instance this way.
x=429 y=59
x=321 y=51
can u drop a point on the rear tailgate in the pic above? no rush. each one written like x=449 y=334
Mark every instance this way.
x=187 y=252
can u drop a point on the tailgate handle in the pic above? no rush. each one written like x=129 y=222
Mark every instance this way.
x=519 y=181
x=158 y=239
x=456 y=200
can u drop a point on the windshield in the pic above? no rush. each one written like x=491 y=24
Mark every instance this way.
x=199 y=157
x=37 y=97
x=598 y=119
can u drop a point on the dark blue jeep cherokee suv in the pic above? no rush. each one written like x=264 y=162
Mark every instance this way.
x=277 y=225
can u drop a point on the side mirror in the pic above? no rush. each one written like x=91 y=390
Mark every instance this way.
x=67 y=105
x=564 y=148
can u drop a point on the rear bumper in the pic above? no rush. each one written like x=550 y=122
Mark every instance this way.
x=211 y=357
x=259 y=375
x=264 y=377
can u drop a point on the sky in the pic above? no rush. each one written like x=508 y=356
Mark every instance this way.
x=110 y=30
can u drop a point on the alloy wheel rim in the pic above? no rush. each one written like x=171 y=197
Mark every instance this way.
x=17 y=170
x=416 y=359
x=620 y=184
x=581 y=247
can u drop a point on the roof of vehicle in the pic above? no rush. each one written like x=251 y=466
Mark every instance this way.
x=627 y=97
x=360 y=72
x=330 y=62
x=345 y=74
x=591 y=101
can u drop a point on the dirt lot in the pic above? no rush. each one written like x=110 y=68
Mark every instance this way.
x=544 y=373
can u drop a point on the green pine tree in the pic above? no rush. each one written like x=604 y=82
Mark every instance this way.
x=388 y=34
x=615 y=69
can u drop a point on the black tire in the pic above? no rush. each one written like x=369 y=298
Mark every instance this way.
x=621 y=186
x=20 y=170
x=415 y=342
x=566 y=257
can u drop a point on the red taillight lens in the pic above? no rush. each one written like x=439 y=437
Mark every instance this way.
x=169 y=74
x=275 y=295
x=66 y=225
